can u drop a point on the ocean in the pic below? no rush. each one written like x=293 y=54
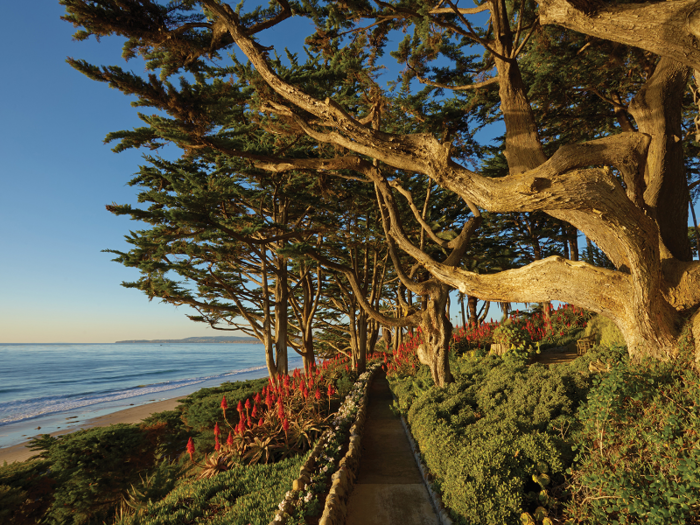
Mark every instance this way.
x=53 y=386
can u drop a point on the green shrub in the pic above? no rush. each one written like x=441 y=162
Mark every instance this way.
x=202 y=409
x=605 y=331
x=486 y=435
x=92 y=469
x=245 y=494
x=25 y=491
x=639 y=447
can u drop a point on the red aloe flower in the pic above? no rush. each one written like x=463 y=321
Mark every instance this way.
x=217 y=432
x=260 y=423
x=285 y=426
x=280 y=411
x=317 y=394
x=254 y=413
x=190 y=448
x=224 y=405
x=217 y=445
x=229 y=440
x=257 y=398
x=239 y=407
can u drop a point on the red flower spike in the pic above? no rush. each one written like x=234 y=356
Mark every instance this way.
x=260 y=423
x=239 y=407
x=317 y=394
x=224 y=404
x=257 y=398
x=247 y=404
x=217 y=432
x=229 y=441
x=190 y=448
x=255 y=411
x=285 y=425
x=217 y=445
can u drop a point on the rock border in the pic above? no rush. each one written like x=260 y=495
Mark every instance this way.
x=343 y=478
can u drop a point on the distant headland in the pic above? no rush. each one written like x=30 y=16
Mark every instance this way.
x=195 y=340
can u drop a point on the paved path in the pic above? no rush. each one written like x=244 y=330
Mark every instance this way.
x=557 y=356
x=389 y=488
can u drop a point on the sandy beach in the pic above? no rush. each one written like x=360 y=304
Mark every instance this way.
x=129 y=415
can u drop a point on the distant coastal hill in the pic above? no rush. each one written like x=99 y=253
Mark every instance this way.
x=195 y=340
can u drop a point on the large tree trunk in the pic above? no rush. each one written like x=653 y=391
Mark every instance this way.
x=281 y=317
x=436 y=331
x=473 y=303
x=657 y=110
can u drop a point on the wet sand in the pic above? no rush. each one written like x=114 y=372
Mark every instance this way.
x=129 y=415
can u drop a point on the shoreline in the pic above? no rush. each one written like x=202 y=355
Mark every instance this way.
x=129 y=415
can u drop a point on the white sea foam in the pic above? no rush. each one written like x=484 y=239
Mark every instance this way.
x=14 y=411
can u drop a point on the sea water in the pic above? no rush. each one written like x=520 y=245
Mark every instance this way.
x=47 y=387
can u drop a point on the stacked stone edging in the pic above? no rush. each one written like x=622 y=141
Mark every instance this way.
x=285 y=507
x=435 y=499
x=343 y=480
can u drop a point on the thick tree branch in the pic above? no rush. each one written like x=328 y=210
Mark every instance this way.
x=668 y=29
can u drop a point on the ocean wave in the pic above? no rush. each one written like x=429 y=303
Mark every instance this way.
x=14 y=411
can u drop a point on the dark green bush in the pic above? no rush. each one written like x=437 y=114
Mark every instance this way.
x=92 y=469
x=639 y=447
x=26 y=490
x=486 y=435
x=246 y=494
x=202 y=409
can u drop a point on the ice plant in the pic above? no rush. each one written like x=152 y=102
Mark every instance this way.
x=190 y=448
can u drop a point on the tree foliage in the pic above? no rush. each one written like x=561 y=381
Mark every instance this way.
x=599 y=138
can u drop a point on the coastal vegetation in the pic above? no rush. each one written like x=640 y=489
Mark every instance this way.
x=174 y=465
x=598 y=440
x=317 y=205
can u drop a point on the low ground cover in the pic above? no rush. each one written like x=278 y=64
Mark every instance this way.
x=599 y=440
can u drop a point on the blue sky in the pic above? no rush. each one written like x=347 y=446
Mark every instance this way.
x=56 y=177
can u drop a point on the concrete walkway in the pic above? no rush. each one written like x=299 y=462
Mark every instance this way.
x=389 y=488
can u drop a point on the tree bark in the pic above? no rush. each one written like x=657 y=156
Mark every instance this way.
x=473 y=303
x=667 y=29
x=436 y=331
x=657 y=110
